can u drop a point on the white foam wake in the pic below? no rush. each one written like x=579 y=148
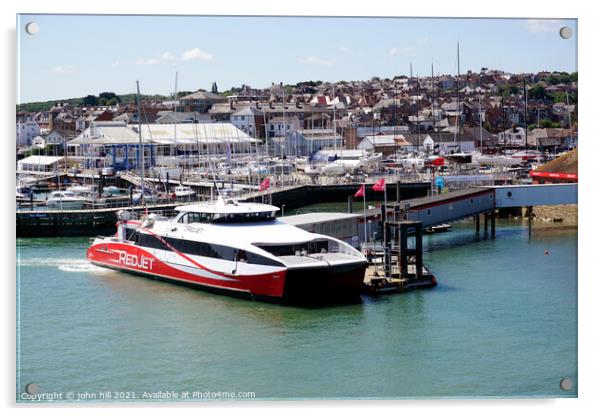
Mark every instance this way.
x=63 y=264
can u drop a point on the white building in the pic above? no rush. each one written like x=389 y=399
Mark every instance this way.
x=279 y=127
x=512 y=137
x=385 y=144
x=245 y=119
x=26 y=131
x=40 y=164
x=115 y=144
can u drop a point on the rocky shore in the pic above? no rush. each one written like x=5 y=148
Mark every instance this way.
x=560 y=214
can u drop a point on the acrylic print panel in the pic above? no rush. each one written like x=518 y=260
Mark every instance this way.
x=258 y=213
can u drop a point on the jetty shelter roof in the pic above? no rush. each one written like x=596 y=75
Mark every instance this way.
x=40 y=160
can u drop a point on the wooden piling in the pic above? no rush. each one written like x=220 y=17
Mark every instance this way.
x=418 y=238
x=402 y=259
x=485 y=219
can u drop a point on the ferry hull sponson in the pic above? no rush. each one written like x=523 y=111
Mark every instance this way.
x=286 y=286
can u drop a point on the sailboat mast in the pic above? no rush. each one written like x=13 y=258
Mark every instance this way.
x=334 y=121
x=568 y=110
x=480 y=124
x=456 y=130
x=432 y=97
x=140 y=143
x=283 y=141
x=526 y=109
x=175 y=110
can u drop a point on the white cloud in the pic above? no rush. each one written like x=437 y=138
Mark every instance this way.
x=313 y=60
x=543 y=25
x=405 y=49
x=150 y=61
x=115 y=63
x=196 y=53
x=188 y=55
x=168 y=56
x=343 y=48
x=63 y=69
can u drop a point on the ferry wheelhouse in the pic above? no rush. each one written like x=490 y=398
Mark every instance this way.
x=237 y=248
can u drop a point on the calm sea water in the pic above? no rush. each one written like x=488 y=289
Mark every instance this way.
x=502 y=322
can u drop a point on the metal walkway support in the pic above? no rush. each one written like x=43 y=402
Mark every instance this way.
x=400 y=260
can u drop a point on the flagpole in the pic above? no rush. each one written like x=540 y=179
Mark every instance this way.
x=365 y=223
x=384 y=219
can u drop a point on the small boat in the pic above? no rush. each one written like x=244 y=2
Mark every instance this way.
x=333 y=169
x=24 y=194
x=311 y=170
x=435 y=229
x=184 y=192
x=65 y=200
x=113 y=191
x=149 y=197
x=82 y=190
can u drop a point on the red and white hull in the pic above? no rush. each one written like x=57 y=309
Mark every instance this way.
x=275 y=284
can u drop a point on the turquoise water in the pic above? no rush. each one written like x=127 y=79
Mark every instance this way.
x=502 y=322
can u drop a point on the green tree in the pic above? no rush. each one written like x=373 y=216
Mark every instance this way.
x=108 y=96
x=90 y=100
x=547 y=123
x=509 y=89
x=538 y=92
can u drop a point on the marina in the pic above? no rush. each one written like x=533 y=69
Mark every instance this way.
x=320 y=225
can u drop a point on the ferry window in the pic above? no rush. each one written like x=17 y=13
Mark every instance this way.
x=428 y=211
x=129 y=232
x=150 y=241
x=195 y=217
x=253 y=258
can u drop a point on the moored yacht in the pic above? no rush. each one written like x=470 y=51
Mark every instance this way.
x=237 y=248
x=65 y=200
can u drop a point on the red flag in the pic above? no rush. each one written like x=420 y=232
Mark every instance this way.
x=379 y=185
x=439 y=161
x=361 y=191
x=265 y=184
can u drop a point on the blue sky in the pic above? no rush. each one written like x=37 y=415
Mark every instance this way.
x=72 y=56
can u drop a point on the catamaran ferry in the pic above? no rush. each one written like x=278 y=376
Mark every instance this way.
x=236 y=248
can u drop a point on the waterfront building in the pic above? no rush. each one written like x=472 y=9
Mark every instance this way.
x=514 y=136
x=304 y=142
x=201 y=101
x=40 y=164
x=250 y=120
x=26 y=131
x=386 y=144
x=115 y=144
x=172 y=117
